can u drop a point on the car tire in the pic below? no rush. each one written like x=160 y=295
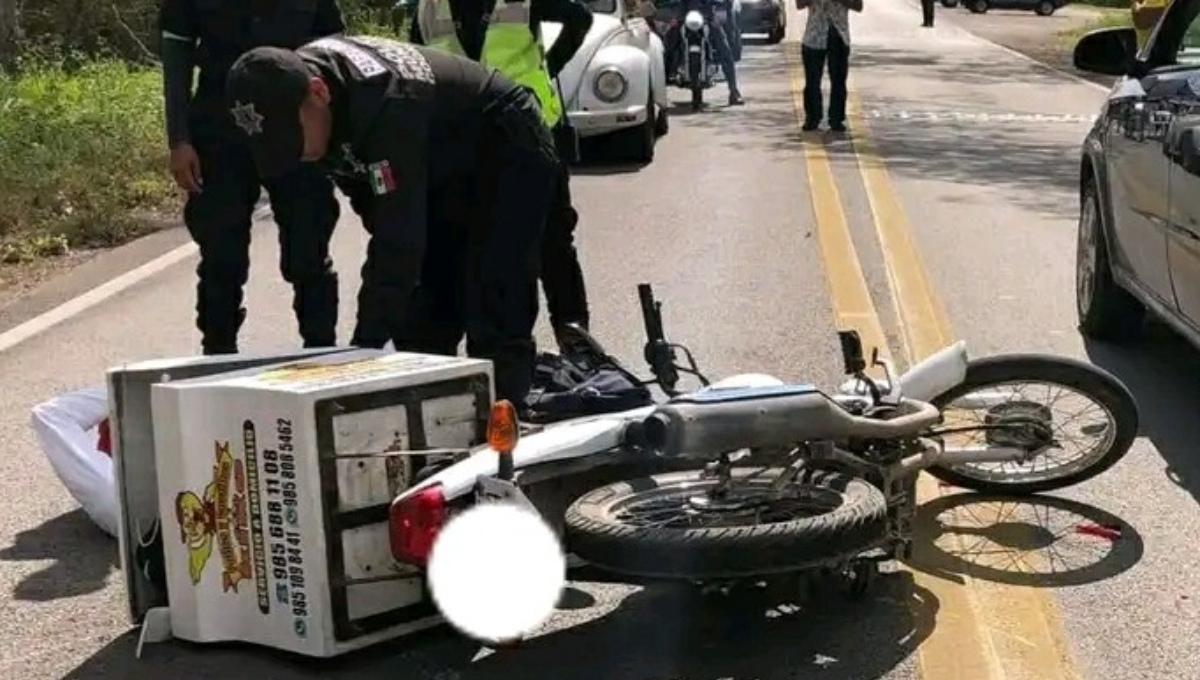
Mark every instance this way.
x=776 y=35
x=1045 y=8
x=662 y=124
x=949 y=4
x=1106 y=311
x=637 y=144
x=978 y=6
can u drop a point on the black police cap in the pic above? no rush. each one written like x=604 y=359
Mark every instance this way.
x=265 y=88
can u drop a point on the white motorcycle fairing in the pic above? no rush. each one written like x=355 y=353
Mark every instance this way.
x=583 y=437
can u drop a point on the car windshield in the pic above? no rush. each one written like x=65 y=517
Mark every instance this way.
x=602 y=6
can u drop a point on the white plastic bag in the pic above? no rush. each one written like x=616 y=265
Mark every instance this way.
x=67 y=427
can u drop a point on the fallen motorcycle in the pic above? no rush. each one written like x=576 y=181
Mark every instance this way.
x=749 y=477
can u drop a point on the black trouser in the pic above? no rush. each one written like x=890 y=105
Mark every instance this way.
x=481 y=265
x=837 y=53
x=562 y=277
x=220 y=219
x=927 y=12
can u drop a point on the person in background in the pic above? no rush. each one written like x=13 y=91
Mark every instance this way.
x=507 y=36
x=212 y=164
x=720 y=44
x=403 y=129
x=1146 y=14
x=826 y=40
x=927 y=7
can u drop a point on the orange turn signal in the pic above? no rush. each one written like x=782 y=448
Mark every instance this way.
x=502 y=430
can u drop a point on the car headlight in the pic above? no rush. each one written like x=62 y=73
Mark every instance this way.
x=610 y=85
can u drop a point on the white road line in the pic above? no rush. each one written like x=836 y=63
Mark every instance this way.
x=979 y=116
x=46 y=320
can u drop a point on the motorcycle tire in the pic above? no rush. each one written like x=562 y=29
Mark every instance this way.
x=597 y=533
x=1097 y=384
x=695 y=78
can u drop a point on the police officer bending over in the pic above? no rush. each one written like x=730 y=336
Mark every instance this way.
x=400 y=126
x=210 y=161
x=505 y=34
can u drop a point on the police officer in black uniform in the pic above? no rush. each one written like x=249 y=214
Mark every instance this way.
x=210 y=161
x=562 y=276
x=403 y=129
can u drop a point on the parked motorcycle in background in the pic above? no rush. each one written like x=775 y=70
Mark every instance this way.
x=698 y=70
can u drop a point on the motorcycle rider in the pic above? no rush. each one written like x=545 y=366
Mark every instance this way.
x=716 y=34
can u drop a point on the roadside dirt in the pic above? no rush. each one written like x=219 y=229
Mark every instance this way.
x=17 y=280
x=1040 y=38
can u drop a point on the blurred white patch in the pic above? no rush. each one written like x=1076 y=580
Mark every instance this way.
x=497 y=571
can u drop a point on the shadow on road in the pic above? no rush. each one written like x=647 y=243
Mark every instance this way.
x=83 y=556
x=952 y=69
x=658 y=632
x=1032 y=169
x=1163 y=373
x=1040 y=541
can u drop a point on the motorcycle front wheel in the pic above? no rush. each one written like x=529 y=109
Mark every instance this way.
x=695 y=79
x=671 y=526
x=1078 y=404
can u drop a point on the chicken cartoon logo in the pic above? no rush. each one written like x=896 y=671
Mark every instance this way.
x=217 y=516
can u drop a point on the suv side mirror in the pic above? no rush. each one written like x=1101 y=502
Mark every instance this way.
x=1182 y=143
x=1108 y=51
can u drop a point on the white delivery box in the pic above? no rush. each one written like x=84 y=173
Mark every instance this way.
x=133 y=460
x=278 y=481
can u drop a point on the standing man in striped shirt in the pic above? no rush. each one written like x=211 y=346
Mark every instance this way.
x=826 y=40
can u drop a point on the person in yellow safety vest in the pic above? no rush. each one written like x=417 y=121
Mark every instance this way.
x=1146 y=14
x=507 y=36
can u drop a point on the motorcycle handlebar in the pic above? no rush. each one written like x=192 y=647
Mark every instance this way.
x=650 y=318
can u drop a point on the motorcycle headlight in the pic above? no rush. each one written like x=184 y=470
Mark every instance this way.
x=694 y=21
x=610 y=85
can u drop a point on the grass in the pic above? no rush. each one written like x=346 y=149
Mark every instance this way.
x=1107 y=16
x=82 y=158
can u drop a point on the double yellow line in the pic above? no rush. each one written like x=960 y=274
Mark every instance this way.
x=984 y=630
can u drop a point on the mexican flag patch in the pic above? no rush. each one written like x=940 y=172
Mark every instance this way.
x=382 y=179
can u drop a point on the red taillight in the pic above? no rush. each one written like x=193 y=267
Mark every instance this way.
x=415 y=523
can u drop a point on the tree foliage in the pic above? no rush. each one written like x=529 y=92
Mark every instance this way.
x=73 y=31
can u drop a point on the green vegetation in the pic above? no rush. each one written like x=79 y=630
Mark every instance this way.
x=1105 y=18
x=81 y=155
x=82 y=147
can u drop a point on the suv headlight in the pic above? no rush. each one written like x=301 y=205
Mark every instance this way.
x=610 y=85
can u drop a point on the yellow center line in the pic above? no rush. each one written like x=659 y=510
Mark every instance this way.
x=1019 y=634
x=853 y=307
x=984 y=631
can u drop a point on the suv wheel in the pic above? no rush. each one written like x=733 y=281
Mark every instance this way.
x=1106 y=311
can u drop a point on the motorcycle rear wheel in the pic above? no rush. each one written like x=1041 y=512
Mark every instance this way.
x=1097 y=385
x=603 y=527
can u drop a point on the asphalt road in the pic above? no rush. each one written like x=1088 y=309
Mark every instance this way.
x=980 y=151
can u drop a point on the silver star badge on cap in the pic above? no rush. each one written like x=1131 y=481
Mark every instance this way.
x=247 y=118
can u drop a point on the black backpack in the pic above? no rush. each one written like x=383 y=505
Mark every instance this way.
x=576 y=384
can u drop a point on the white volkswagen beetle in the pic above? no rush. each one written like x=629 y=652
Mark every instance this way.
x=615 y=86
